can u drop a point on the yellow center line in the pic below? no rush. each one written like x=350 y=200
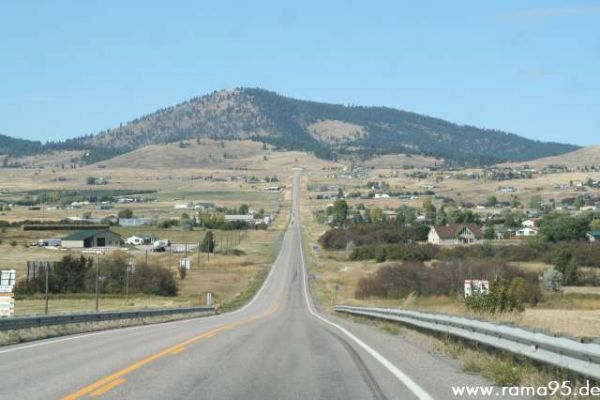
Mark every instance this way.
x=179 y=350
x=98 y=388
x=108 y=387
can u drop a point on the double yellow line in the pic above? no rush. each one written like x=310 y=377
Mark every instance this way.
x=111 y=381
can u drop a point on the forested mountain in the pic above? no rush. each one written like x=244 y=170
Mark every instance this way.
x=19 y=147
x=328 y=130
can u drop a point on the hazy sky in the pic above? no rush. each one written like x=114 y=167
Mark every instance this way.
x=69 y=68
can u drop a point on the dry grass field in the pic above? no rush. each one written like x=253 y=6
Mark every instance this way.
x=230 y=277
x=575 y=312
x=579 y=158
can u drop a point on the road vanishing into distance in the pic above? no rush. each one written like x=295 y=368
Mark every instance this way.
x=276 y=347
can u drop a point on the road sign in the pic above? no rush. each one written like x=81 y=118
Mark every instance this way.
x=7 y=306
x=209 y=298
x=476 y=286
x=7 y=280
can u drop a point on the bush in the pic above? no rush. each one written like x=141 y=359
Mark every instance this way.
x=552 y=280
x=168 y=223
x=70 y=275
x=152 y=279
x=504 y=296
x=558 y=227
x=447 y=278
x=584 y=254
x=370 y=234
x=78 y=275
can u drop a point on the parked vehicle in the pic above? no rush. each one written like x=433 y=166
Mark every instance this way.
x=161 y=245
x=49 y=242
x=134 y=240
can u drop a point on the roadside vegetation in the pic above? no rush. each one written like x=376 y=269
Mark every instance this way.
x=78 y=275
x=364 y=253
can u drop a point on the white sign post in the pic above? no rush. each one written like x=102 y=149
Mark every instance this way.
x=209 y=298
x=185 y=263
x=8 y=279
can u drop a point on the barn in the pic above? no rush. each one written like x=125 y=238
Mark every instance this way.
x=92 y=238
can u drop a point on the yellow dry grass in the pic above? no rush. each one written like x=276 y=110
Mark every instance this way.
x=227 y=276
x=575 y=312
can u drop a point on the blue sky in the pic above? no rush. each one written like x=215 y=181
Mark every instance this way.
x=70 y=68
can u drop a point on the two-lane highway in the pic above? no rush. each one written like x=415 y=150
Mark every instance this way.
x=276 y=347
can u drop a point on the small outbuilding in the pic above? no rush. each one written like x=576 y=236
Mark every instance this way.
x=92 y=238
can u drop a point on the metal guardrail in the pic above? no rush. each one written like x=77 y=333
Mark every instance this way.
x=60 y=319
x=583 y=358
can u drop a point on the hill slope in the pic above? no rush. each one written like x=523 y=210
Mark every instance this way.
x=328 y=130
x=583 y=157
x=214 y=154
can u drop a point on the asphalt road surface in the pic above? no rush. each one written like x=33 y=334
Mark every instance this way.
x=276 y=347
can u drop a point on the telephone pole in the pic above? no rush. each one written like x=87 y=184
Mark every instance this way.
x=97 y=278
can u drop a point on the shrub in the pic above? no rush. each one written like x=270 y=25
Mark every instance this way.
x=78 y=275
x=552 y=280
x=70 y=275
x=152 y=279
x=558 y=227
x=504 y=296
x=447 y=278
x=208 y=243
x=369 y=234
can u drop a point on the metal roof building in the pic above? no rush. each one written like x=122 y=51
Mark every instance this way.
x=92 y=238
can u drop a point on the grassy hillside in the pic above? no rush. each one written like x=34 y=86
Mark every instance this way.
x=213 y=154
x=586 y=156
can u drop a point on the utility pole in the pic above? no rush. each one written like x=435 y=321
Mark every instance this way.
x=97 y=278
x=198 y=255
x=46 y=305
x=128 y=269
x=170 y=254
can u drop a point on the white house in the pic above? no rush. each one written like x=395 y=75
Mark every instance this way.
x=529 y=223
x=526 y=231
x=455 y=234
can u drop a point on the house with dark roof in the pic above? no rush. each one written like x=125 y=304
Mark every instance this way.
x=92 y=238
x=455 y=234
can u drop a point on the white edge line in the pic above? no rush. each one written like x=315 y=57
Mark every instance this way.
x=401 y=376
